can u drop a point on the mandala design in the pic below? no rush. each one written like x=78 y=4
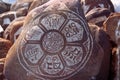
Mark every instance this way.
x=57 y=45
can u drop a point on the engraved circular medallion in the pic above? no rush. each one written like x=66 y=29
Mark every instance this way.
x=56 y=45
x=53 y=42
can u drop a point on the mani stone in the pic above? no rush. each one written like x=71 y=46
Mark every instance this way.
x=55 y=44
x=4 y=47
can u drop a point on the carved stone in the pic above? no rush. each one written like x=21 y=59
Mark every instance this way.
x=55 y=44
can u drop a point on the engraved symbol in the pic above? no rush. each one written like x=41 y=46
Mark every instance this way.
x=53 y=42
x=33 y=53
x=52 y=65
x=33 y=33
x=72 y=55
x=54 y=21
x=54 y=47
x=72 y=30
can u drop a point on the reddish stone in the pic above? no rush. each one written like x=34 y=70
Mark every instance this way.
x=4 y=47
x=4 y=7
x=2 y=61
x=97 y=16
x=88 y=5
x=37 y=3
x=111 y=24
x=14 y=29
x=56 y=43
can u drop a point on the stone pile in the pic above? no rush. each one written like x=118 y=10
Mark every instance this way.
x=59 y=40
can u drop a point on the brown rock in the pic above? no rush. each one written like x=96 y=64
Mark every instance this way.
x=37 y=3
x=111 y=25
x=21 y=4
x=4 y=7
x=97 y=16
x=2 y=61
x=13 y=30
x=55 y=44
x=92 y=4
x=4 y=47
x=8 y=17
x=102 y=38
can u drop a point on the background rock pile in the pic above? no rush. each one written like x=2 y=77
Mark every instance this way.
x=103 y=21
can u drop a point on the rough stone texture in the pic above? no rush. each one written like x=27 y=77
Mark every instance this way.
x=21 y=4
x=4 y=47
x=56 y=44
x=4 y=7
x=14 y=29
x=111 y=25
x=37 y=3
x=117 y=64
x=7 y=17
x=102 y=38
x=2 y=61
x=87 y=5
x=97 y=16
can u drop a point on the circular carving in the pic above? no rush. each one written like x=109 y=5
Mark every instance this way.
x=57 y=45
x=53 y=42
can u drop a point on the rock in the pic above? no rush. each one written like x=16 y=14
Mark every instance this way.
x=111 y=24
x=102 y=38
x=55 y=44
x=4 y=7
x=8 y=17
x=37 y=3
x=92 y=4
x=13 y=30
x=97 y=16
x=2 y=61
x=21 y=4
x=4 y=47
x=112 y=27
x=1 y=31
x=117 y=64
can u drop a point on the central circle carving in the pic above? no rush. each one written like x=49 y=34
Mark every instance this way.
x=53 y=42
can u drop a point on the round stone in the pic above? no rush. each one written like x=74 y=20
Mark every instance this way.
x=62 y=45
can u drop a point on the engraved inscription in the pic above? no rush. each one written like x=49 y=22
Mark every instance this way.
x=53 y=42
x=33 y=33
x=33 y=53
x=52 y=65
x=73 y=31
x=72 y=55
x=54 y=47
x=54 y=21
